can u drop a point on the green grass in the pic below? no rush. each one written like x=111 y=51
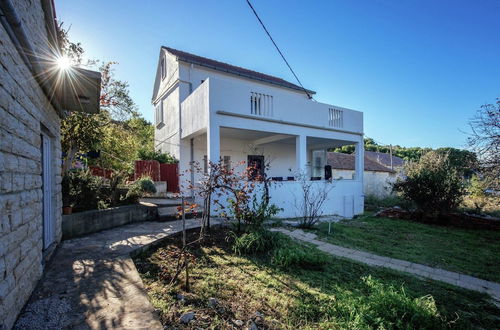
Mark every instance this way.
x=343 y=294
x=473 y=252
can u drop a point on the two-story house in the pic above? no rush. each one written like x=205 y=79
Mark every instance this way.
x=206 y=110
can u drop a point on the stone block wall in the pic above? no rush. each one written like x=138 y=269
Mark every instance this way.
x=25 y=112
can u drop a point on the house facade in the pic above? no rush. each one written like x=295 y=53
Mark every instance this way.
x=377 y=178
x=34 y=95
x=206 y=111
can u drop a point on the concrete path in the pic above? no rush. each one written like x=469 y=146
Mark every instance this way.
x=460 y=280
x=92 y=283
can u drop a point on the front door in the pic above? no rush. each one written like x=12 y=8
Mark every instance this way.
x=48 y=214
x=257 y=162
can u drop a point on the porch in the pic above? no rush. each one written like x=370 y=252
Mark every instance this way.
x=288 y=157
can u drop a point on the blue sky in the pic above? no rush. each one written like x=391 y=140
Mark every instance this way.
x=417 y=69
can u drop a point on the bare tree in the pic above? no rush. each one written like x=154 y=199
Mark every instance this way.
x=484 y=139
x=312 y=197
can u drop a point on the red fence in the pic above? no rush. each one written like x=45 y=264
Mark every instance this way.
x=158 y=172
x=99 y=171
x=170 y=173
x=149 y=168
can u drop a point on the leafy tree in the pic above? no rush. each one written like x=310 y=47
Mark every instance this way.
x=485 y=140
x=118 y=131
x=432 y=183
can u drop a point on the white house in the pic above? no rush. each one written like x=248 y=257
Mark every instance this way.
x=207 y=110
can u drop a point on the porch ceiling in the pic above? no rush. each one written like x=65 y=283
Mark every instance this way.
x=262 y=137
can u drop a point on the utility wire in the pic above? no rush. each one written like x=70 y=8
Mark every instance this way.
x=278 y=49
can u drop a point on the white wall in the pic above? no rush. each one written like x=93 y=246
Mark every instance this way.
x=374 y=182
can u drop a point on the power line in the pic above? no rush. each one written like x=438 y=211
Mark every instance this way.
x=277 y=48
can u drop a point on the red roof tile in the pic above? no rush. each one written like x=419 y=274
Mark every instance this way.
x=342 y=161
x=232 y=69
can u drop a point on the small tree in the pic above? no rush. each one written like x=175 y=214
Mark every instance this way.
x=310 y=202
x=432 y=183
x=485 y=140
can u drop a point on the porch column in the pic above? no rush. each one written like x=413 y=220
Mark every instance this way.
x=213 y=144
x=301 y=154
x=359 y=160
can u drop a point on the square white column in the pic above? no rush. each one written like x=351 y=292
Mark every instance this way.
x=301 y=154
x=359 y=160
x=213 y=144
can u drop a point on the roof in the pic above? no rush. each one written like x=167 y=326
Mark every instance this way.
x=232 y=69
x=341 y=161
x=385 y=159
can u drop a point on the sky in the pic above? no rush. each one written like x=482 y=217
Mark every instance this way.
x=417 y=69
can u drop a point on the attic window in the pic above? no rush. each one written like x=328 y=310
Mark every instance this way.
x=159 y=114
x=163 y=68
x=261 y=104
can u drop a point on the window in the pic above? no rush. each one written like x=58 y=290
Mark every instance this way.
x=227 y=163
x=163 y=68
x=261 y=104
x=159 y=113
x=336 y=117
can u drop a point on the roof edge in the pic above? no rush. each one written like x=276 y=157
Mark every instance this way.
x=219 y=68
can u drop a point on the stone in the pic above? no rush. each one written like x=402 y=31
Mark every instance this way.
x=212 y=302
x=180 y=296
x=187 y=317
x=239 y=323
x=254 y=326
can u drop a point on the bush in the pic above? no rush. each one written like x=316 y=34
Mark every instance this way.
x=432 y=184
x=388 y=307
x=82 y=190
x=290 y=253
x=158 y=156
x=256 y=242
x=140 y=188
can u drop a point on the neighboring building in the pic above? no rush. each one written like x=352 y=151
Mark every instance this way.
x=384 y=159
x=207 y=110
x=377 y=179
x=33 y=96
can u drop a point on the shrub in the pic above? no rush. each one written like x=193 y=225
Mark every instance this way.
x=432 y=184
x=140 y=188
x=256 y=242
x=290 y=253
x=388 y=307
x=82 y=190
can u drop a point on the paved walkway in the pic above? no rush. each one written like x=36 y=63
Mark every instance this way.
x=460 y=280
x=92 y=283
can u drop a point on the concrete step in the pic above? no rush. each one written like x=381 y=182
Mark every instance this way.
x=168 y=213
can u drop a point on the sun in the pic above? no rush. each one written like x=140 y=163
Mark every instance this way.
x=63 y=63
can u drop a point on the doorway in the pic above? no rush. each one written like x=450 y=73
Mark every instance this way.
x=48 y=214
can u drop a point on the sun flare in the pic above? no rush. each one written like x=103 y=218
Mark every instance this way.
x=63 y=63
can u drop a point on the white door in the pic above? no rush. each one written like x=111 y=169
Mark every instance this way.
x=48 y=214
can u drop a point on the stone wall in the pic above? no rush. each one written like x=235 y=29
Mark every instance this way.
x=83 y=223
x=24 y=112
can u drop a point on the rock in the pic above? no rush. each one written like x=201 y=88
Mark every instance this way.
x=180 y=296
x=186 y=317
x=259 y=315
x=254 y=326
x=212 y=302
x=239 y=323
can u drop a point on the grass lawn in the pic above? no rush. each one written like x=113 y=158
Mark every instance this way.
x=473 y=252
x=340 y=294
